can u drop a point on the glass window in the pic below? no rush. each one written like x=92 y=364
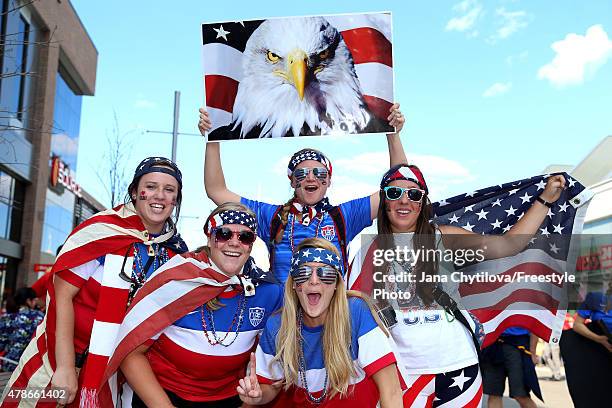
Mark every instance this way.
x=66 y=122
x=11 y=207
x=58 y=220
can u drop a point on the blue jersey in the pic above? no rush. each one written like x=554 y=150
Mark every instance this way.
x=515 y=331
x=187 y=364
x=597 y=306
x=370 y=350
x=356 y=215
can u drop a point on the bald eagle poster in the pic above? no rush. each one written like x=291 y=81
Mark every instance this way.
x=298 y=76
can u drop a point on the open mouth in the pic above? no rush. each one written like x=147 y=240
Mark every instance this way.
x=404 y=212
x=232 y=254
x=313 y=298
x=311 y=189
x=157 y=208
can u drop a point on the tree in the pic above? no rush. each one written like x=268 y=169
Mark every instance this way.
x=112 y=174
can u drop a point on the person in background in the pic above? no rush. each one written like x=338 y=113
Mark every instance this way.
x=17 y=328
x=513 y=355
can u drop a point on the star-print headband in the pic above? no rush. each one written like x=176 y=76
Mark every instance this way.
x=404 y=172
x=152 y=165
x=229 y=217
x=327 y=274
x=304 y=155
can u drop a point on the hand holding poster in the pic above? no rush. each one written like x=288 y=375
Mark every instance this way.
x=298 y=76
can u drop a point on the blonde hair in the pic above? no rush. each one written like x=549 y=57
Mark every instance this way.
x=336 y=332
x=215 y=303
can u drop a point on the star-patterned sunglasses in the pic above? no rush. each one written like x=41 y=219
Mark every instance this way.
x=327 y=274
x=224 y=234
x=395 y=193
x=302 y=173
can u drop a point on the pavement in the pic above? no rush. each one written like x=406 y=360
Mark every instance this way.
x=555 y=393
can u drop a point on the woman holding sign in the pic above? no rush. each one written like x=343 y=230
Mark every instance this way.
x=308 y=213
x=326 y=347
x=438 y=344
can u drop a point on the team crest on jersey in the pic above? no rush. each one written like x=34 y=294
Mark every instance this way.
x=256 y=315
x=328 y=232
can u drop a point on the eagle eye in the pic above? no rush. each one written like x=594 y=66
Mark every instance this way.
x=272 y=57
x=323 y=55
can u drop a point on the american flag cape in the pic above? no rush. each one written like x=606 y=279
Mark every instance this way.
x=537 y=307
x=111 y=234
x=367 y=36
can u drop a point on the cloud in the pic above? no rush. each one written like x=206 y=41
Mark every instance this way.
x=578 y=57
x=496 y=89
x=64 y=146
x=143 y=103
x=470 y=11
x=511 y=22
x=510 y=60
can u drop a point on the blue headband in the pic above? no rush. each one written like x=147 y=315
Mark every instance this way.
x=310 y=254
x=308 y=154
x=153 y=165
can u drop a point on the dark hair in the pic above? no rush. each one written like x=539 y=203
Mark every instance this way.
x=132 y=190
x=424 y=238
x=20 y=298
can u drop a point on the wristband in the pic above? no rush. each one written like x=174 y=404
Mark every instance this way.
x=542 y=201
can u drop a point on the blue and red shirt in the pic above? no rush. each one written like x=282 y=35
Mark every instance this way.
x=186 y=364
x=356 y=213
x=370 y=350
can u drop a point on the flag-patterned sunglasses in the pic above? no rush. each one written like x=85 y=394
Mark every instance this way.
x=301 y=173
x=326 y=274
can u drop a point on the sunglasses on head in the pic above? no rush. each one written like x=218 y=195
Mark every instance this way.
x=302 y=173
x=327 y=274
x=224 y=234
x=395 y=193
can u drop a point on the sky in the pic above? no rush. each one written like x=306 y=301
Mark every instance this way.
x=493 y=91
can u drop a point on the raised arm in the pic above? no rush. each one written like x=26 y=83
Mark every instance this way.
x=251 y=392
x=214 y=179
x=517 y=238
x=396 y=150
x=141 y=378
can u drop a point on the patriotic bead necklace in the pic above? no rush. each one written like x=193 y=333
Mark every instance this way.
x=302 y=365
x=139 y=274
x=238 y=318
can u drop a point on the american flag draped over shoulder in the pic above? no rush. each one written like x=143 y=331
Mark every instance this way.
x=367 y=37
x=111 y=234
x=494 y=210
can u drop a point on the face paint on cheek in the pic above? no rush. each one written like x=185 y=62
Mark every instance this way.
x=142 y=196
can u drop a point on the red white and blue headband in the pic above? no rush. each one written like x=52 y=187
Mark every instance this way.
x=310 y=254
x=230 y=217
x=404 y=172
x=308 y=154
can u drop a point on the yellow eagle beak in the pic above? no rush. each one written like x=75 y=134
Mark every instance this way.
x=297 y=62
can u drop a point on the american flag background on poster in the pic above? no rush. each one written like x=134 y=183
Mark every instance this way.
x=298 y=76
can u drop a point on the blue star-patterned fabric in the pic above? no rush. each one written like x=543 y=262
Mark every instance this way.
x=315 y=255
x=494 y=210
x=16 y=331
x=308 y=155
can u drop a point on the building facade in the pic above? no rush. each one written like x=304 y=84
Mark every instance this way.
x=47 y=64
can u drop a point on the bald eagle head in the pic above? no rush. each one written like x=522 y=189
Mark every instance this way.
x=298 y=72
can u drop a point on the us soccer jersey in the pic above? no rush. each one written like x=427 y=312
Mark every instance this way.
x=356 y=214
x=187 y=364
x=369 y=348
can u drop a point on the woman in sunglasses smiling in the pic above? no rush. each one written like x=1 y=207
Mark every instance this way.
x=308 y=213
x=197 y=361
x=326 y=347
x=437 y=352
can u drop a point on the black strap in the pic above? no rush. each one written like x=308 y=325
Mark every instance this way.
x=339 y=224
x=450 y=306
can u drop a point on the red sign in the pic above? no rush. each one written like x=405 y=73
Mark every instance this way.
x=60 y=174
x=41 y=268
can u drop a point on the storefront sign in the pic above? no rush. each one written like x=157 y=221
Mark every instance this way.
x=62 y=177
x=42 y=268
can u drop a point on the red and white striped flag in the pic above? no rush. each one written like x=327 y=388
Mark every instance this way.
x=347 y=78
